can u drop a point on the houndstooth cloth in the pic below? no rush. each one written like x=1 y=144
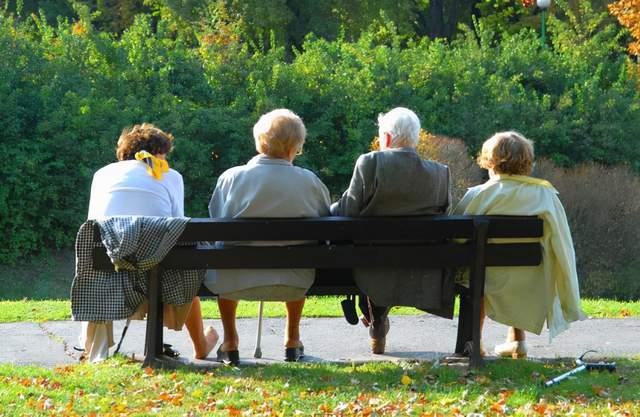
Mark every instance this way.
x=134 y=244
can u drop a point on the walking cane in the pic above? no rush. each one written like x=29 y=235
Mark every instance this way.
x=124 y=331
x=583 y=366
x=258 y=352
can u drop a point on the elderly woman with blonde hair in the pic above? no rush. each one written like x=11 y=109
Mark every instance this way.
x=269 y=185
x=525 y=297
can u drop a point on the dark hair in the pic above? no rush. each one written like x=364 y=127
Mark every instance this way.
x=143 y=137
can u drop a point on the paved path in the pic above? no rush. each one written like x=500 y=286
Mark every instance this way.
x=422 y=337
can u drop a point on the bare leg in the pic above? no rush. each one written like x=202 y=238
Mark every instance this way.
x=203 y=340
x=514 y=346
x=228 y=316
x=294 y=314
x=515 y=335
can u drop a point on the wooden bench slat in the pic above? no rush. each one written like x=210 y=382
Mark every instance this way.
x=338 y=256
x=343 y=228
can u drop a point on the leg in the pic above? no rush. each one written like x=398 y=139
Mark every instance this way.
x=203 y=340
x=515 y=335
x=294 y=314
x=379 y=326
x=293 y=348
x=515 y=346
x=228 y=316
x=98 y=338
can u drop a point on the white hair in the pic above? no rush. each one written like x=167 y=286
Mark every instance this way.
x=402 y=124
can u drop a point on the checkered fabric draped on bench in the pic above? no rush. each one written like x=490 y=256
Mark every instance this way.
x=135 y=244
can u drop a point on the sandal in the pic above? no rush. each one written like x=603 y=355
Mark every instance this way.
x=294 y=354
x=229 y=357
x=516 y=349
x=167 y=350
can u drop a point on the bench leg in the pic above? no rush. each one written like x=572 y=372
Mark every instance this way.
x=464 y=322
x=153 y=340
x=476 y=287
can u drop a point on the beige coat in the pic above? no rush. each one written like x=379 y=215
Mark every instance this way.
x=266 y=187
x=398 y=182
x=526 y=297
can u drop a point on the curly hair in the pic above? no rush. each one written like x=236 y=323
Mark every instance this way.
x=143 y=137
x=507 y=153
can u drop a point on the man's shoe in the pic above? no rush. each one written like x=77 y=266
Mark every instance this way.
x=379 y=337
x=378 y=345
x=516 y=349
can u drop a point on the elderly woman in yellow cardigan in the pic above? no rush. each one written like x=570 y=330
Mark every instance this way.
x=525 y=297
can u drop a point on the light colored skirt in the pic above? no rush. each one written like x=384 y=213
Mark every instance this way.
x=260 y=284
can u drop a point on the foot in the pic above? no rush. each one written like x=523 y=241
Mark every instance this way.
x=210 y=338
x=516 y=349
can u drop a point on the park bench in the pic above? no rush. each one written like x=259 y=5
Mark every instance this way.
x=382 y=242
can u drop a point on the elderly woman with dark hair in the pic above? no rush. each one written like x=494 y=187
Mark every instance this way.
x=524 y=298
x=142 y=184
x=269 y=185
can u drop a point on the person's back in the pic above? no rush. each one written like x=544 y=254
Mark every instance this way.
x=525 y=297
x=396 y=181
x=251 y=191
x=124 y=188
x=266 y=187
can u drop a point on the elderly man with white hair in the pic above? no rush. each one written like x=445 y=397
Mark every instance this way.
x=269 y=185
x=396 y=181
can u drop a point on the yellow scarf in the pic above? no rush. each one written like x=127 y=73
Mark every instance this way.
x=155 y=166
x=525 y=179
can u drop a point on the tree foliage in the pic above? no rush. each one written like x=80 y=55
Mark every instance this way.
x=628 y=13
x=67 y=89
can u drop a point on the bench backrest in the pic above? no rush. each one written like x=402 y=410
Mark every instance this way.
x=399 y=241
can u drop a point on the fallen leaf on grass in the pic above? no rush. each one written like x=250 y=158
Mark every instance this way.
x=600 y=391
x=540 y=408
x=406 y=379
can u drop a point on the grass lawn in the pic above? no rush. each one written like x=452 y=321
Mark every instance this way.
x=47 y=310
x=505 y=387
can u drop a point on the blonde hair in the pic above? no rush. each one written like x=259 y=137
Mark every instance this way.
x=145 y=137
x=278 y=132
x=507 y=153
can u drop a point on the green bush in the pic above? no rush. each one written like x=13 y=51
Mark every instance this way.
x=67 y=91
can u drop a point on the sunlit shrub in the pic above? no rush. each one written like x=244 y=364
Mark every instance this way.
x=603 y=209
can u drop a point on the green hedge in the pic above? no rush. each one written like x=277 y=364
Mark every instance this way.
x=67 y=91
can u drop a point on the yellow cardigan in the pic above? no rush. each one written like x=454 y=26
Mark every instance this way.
x=524 y=297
